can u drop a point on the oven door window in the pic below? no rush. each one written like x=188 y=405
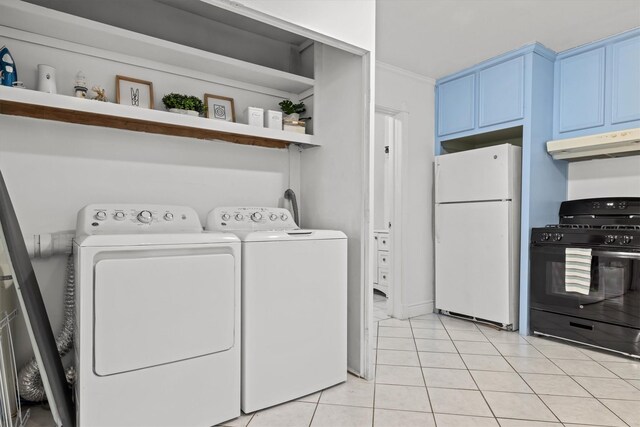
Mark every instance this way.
x=614 y=294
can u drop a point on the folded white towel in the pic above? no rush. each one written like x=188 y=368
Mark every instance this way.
x=577 y=270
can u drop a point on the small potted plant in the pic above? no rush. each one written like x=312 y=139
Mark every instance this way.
x=292 y=111
x=184 y=104
x=292 y=121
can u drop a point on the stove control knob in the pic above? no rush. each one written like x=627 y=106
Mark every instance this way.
x=626 y=240
x=145 y=217
x=101 y=215
x=284 y=217
x=610 y=239
x=557 y=237
x=239 y=217
x=273 y=217
x=168 y=216
x=226 y=217
x=256 y=216
x=545 y=236
x=119 y=216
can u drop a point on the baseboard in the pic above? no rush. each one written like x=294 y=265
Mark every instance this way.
x=418 y=309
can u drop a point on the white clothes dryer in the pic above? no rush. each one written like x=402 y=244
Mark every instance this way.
x=294 y=305
x=157 y=341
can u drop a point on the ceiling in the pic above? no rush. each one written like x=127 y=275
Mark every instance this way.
x=435 y=38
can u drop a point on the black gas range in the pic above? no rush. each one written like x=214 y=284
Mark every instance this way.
x=585 y=274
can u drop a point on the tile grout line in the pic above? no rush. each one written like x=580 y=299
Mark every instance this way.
x=584 y=388
x=316 y=408
x=568 y=376
x=469 y=371
x=520 y=375
x=424 y=381
x=375 y=377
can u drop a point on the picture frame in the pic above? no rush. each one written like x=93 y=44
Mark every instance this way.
x=220 y=107
x=134 y=92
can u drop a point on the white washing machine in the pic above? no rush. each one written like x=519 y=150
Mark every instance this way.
x=157 y=341
x=294 y=305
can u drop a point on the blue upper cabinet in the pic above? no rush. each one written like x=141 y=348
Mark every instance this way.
x=625 y=81
x=597 y=87
x=490 y=96
x=456 y=104
x=501 y=93
x=581 y=100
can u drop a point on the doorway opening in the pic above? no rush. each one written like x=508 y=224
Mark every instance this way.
x=386 y=270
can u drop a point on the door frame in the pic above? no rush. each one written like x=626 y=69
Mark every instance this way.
x=395 y=134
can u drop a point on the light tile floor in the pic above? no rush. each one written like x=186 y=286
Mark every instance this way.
x=379 y=307
x=435 y=370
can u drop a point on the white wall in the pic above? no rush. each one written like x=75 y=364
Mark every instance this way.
x=617 y=177
x=333 y=176
x=52 y=169
x=351 y=21
x=403 y=91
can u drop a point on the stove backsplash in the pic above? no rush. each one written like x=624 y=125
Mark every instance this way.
x=618 y=177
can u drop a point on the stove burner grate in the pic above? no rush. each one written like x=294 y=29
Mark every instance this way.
x=569 y=226
x=621 y=227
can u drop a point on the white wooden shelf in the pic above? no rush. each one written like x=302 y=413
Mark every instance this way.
x=45 y=106
x=40 y=25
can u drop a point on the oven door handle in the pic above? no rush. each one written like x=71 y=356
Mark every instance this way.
x=616 y=254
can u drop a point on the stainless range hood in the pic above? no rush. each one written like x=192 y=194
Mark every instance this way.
x=612 y=144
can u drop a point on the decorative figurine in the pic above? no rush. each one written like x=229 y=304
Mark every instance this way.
x=80 y=86
x=8 y=71
x=100 y=94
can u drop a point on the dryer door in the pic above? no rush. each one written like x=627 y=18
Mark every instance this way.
x=153 y=310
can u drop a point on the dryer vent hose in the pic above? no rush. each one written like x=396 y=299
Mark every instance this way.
x=30 y=384
x=290 y=195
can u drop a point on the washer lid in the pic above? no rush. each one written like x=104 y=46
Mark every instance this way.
x=289 y=235
x=155 y=239
x=150 y=311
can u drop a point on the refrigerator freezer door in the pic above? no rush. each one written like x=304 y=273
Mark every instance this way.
x=475 y=175
x=472 y=260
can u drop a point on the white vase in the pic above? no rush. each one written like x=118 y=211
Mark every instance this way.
x=291 y=117
x=181 y=111
x=47 y=79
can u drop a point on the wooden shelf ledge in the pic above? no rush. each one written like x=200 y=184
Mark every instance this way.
x=44 y=106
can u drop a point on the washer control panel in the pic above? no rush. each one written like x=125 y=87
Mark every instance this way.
x=248 y=218
x=134 y=219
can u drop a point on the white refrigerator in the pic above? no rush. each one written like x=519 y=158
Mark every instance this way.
x=477 y=229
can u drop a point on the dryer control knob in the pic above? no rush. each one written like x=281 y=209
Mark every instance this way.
x=145 y=216
x=256 y=216
x=101 y=215
x=273 y=217
x=239 y=217
x=226 y=217
x=284 y=217
x=119 y=216
x=168 y=216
